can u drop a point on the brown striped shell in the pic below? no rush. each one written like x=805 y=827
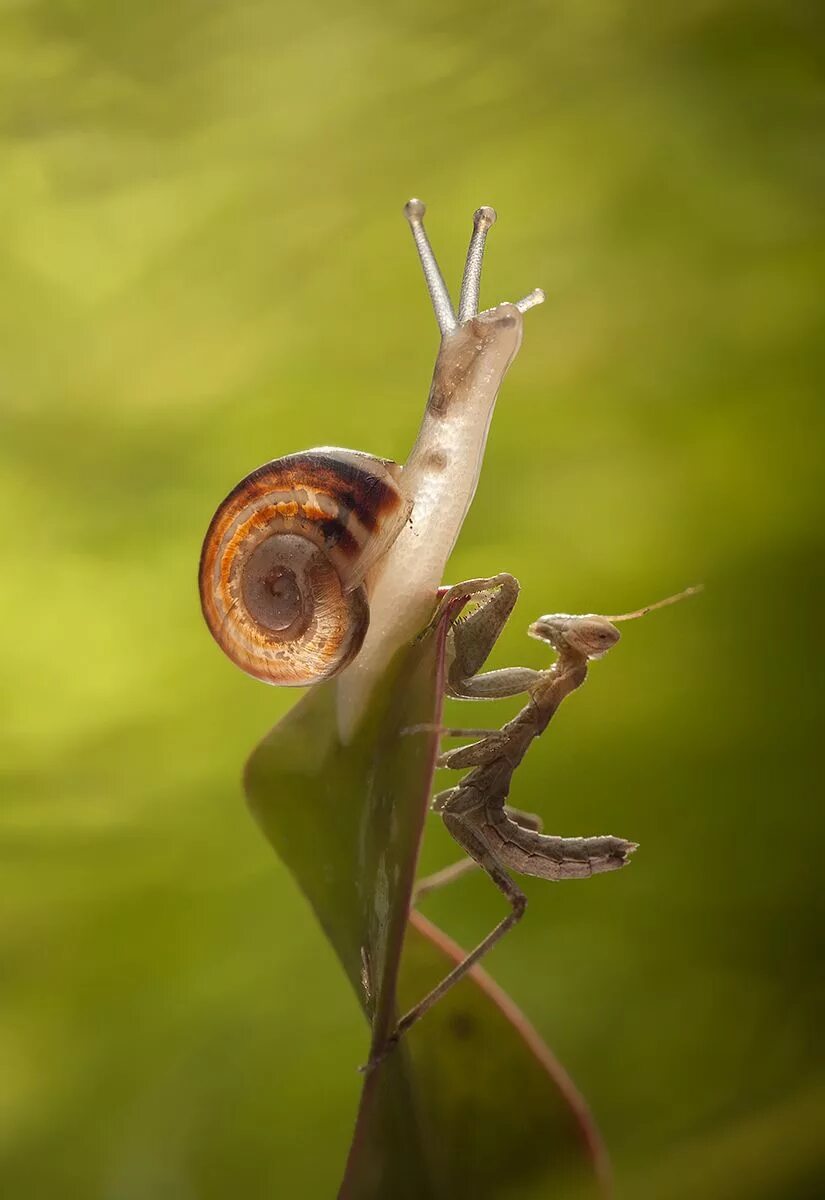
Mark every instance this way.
x=284 y=563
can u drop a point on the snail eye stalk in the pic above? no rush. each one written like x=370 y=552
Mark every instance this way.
x=483 y=220
x=414 y=211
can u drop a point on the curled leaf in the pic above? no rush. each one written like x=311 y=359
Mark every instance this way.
x=470 y=1101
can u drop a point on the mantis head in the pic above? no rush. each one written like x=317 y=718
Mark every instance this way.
x=588 y=636
x=591 y=636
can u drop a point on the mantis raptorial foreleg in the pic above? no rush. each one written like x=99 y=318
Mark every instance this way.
x=496 y=837
x=472 y=637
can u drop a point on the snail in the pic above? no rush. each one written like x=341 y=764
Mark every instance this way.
x=323 y=563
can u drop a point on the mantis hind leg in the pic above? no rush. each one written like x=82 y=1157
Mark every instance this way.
x=464 y=832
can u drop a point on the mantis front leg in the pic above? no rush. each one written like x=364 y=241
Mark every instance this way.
x=472 y=638
x=469 y=643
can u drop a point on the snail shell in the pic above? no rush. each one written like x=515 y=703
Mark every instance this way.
x=284 y=565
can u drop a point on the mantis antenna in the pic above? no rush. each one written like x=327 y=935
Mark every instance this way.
x=641 y=612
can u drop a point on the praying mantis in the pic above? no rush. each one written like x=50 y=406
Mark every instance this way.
x=497 y=837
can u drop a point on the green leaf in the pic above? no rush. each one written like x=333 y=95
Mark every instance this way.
x=471 y=1101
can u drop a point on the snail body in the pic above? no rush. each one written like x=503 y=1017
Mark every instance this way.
x=284 y=565
x=331 y=559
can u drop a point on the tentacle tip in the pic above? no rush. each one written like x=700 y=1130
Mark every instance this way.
x=414 y=210
x=484 y=217
x=527 y=302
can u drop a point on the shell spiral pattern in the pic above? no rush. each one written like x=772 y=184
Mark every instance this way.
x=284 y=566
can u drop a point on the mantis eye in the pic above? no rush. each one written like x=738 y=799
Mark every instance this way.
x=592 y=636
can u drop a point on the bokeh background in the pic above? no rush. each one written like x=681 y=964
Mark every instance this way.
x=204 y=265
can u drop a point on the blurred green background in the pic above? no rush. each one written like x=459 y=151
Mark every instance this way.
x=205 y=266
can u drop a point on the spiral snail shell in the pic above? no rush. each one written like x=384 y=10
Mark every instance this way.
x=284 y=565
